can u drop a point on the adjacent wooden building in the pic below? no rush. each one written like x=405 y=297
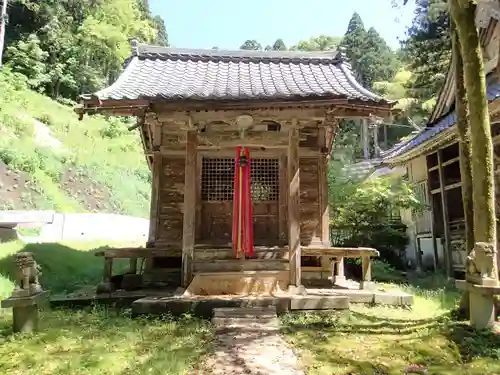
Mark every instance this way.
x=193 y=108
x=431 y=159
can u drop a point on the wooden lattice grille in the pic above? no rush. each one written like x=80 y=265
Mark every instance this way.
x=264 y=179
x=217 y=179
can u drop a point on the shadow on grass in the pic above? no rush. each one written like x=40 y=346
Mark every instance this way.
x=473 y=344
x=64 y=268
x=353 y=322
x=96 y=341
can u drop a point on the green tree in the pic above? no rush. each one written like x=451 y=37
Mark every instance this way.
x=427 y=48
x=251 y=45
x=279 y=45
x=29 y=59
x=319 y=43
x=161 y=35
x=84 y=41
x=371 y=58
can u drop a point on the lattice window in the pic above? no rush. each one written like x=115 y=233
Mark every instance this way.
x=420 y=192
x=264 y=178
x=217 y=179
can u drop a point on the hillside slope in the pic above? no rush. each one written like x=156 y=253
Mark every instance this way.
x=51 y=160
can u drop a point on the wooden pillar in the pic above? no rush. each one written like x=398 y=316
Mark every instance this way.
x=155 y=184
x=189 y=222
x=430 y=199
x=386 y=145
x=324 y=217
x=294 y=205
x=366 y=139
x=366 y=266
x=375 y=140
x=340 y=275
x=446 y=224
x=283 y=199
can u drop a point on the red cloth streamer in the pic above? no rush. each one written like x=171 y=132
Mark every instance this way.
x=242 y=206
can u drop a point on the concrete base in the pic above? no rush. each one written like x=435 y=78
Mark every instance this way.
x=481 y=303
x=25 y=319
x=482 y=310
x=368 y=285
x=340 y=280
x=25 y=311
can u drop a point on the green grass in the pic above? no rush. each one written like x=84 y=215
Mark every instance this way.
x=92 y=340
x=367 y=340
x=98 y=342
x=387 y=340
x=101 y=150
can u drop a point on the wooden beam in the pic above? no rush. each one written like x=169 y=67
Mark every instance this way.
x=232 y=139
x=446 y=224
x=345 y=252
x=189 y=222
x=265 y=112
x=294 y=205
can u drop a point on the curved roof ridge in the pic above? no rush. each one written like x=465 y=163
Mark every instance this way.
x=154 y=51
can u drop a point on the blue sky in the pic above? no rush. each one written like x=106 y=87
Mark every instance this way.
x=228 y=23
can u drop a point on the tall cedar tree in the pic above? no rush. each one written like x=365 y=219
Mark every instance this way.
x=370 y=56
x=251 y=45
x=427 y=48
x=463 y=14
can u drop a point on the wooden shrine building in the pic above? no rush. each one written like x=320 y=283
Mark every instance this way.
x=193 y=109
x=431 y=160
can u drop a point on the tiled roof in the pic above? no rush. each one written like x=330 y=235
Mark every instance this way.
x=178 y=74
x=432 y=130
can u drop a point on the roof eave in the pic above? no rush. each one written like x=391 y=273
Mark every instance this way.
x=426 y=147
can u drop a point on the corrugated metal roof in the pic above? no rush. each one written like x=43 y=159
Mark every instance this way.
x=154 y=72
x=446 y=122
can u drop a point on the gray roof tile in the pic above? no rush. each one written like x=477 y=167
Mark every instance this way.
x=154 y=72
x=433 y=129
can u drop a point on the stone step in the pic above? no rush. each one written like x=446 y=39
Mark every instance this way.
x=227 y=253
x=245 y=312
x=244 y=317
x=232 y=265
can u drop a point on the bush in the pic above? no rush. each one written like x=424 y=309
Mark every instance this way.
x=361 y=214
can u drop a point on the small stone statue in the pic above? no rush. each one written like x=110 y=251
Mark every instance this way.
x=27 y=273
x=480 y=264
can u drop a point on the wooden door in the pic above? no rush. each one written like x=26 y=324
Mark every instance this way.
x=217 y=181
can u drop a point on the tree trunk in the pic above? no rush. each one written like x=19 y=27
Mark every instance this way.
x=465 y=157
x=3 y=22
x=463 y=14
